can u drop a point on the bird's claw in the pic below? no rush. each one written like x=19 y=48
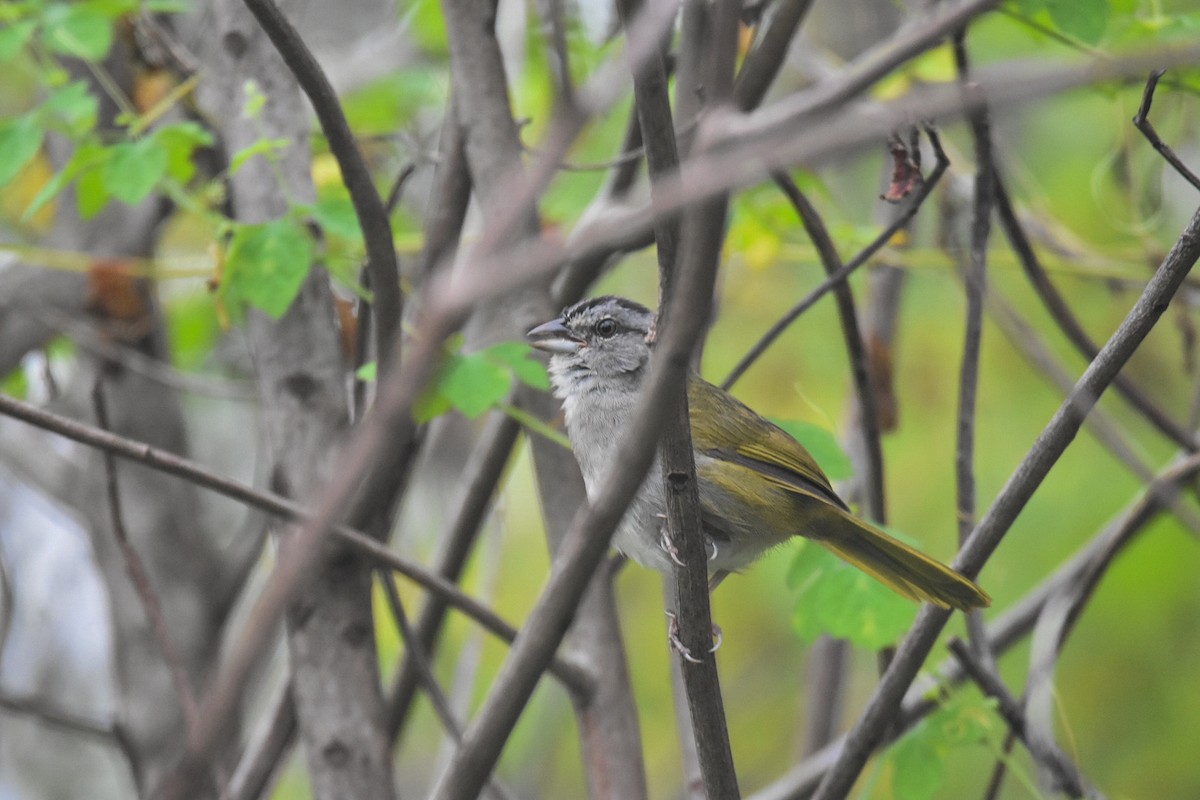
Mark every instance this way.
x=664 y=541
x=713 y=544
x=679 y=647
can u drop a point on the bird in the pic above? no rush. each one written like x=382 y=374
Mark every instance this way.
x=758 y=486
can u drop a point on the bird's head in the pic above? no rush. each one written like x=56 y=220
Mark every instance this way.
x=598 y=339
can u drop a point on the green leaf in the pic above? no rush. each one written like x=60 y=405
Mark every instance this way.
x=165 y=6
x=255 y=100
x=472 y=384
x=476 y=382
x=134 y=169
x=965 y=719
x=91 y=193
x=180 y=141
x=14 y=37
x=88 y=155
x=262 y=146
x=194 y=329
x=366 y=372
x=1086 y=20
x=430 y=405
x=835 y=598
x=266 y=265
x=336 y=216
x=428 y=26
x=113 y=9
x=73 y=108
x=519 y=358
x=392 y=101
x=20 y=140
x=77 y=30
x=16 y=384
x=823 y=445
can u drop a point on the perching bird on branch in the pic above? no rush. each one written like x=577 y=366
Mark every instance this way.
x=758 y=486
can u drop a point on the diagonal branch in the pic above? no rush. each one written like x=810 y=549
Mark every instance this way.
x=1070 y=325
x=843 y=274
x=1141 y=121
x=1050 y=445
x=1010 y=709
x=368 y=206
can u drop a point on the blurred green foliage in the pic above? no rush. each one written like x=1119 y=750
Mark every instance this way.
x=1103 y=208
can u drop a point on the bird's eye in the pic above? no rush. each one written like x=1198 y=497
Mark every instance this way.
x=606 y=328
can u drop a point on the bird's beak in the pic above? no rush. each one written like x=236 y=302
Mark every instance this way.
x=554 y=337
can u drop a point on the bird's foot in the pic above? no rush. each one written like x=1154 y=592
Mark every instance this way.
x=679 y=647
x=664 y=542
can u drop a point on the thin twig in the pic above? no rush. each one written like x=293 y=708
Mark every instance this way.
x=441 y=704
x=855 y=348
x=582 y=551
x=280 y=506
x=1050 y=445
x=485 y=467
x=693 y=615
x=1010 y=709
x=368 y=206
x=139 y=577
x=772 y=41
x=261 y=759
x=1070 y=325
x=105 y=731
x=844 y=273
x=1141 y=121
x=975 y=281
x=1022 y=336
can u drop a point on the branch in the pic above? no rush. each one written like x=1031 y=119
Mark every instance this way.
x=139 y=577
x=1070 y=325
x=273 y=737
x=841 y=275
x=1010 y=710
x=1021 y=335
x=437 y=697
x=368 y=206
x=855 y=349
x=772 y=40
x=1050 y=445
x=747 y=147
x=485 y=467
x=1003 y=634
x=975 y=280
x=582 y=551
x=1141 y=121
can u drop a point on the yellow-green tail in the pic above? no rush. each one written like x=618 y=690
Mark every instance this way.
x=896 y=565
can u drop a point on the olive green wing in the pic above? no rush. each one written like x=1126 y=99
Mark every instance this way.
x=730 y=430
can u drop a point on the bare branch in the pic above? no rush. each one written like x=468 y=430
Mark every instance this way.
x=1050 y=445
x=869 y=413
x=261 y=759
x=140 y=577
x=368 y=206
x=1010 y=709
x=1141 y=120
x=1069 y=323
x=975 y=280
x=772 y=39
x=885 y=236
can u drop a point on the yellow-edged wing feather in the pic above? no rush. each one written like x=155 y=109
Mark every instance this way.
x=733 y=433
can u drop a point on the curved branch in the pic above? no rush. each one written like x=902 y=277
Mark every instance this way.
x=1050 y=445
x=368 y=206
